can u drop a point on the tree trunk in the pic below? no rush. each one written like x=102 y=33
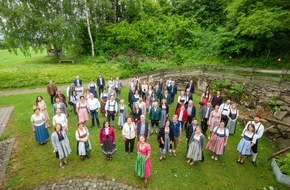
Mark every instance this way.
x=89 y=28
x=55 y=51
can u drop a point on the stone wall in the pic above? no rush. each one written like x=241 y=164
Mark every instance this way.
x=255 y=100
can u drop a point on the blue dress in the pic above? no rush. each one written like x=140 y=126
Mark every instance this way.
x=244 y=143
x=40 y=132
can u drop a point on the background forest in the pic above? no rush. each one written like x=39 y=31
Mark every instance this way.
x=255 y=32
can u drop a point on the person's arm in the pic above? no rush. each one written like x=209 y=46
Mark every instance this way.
x=98 y=105
x=123 y=131
x=227 y=134
x=53 y=142
x=113 y=135
x=260 y=132
x=116 y=108
x=77 y=135
x=100 y=137
x=66 y=121
x=253 y=142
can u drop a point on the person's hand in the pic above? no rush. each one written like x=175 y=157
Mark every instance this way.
x=162 y=141
x=225 y=144
x=124 y=138
x=106 y=115
x=101 y=144
x=114 y=142
x=179 y=138
x=33 y=129
x=249 y=147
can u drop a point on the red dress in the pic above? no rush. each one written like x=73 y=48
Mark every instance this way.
x=144 y=151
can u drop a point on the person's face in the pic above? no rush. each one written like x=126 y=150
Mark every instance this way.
x=194 y=122
x=142 y=118
x=198 y=130
x=39 y=98
x=190 y=103
x=81 y=126
x=57 y=128
x=58 y=111
x=174 y=119
x=107 y=124
x=228 y=102
x=36 y=111
x=129 y=120
x=256 y=119
x=112 y=98
x=208 y=104
x=218 y=93
x=57 y=100
x=72 y=84
x=82 y=98
x=182 y=93
x=91 y=96
x=167 y=124
x=216 y=107
x=251 y=128
x=191 y=81
x=142 y=139
x=222 y=124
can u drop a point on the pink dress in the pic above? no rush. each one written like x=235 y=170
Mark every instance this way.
x=83 y=112
x=216 y=143
x=214 y=119
x=144 y=151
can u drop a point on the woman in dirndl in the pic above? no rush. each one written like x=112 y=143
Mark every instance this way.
x=218 y=141
x=180 y=100
x=233 y=116
x=195 y=147
x=38 y=122
x=205 y=97
x=164 y=112
x=104 y=99
x=82 y=110
x=40 y=103
x=108 y=140
x=143 y=161
x=245 y=145
x=83 y=142
x=122 y=114
x=165 y=139
x=60 y=144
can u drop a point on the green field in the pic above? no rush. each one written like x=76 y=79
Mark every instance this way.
x=32 y=164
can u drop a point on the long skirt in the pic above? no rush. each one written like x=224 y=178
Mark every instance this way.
x=142 y=167
x=121 y=119
x=163 y=118
x=83 y=115
x=242 y=147
x=108 y=147
x=194 y=151
x=63 y=150
x=232 y=126
x=84 y=148
x=167 y=145
x=216 y=145
x=41 y=133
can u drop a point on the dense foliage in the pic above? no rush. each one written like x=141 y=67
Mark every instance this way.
x=167 y=29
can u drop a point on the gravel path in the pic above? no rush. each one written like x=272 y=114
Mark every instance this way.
x=88 y=184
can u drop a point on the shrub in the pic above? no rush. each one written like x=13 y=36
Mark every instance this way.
x=284 y=164
x=221 y=84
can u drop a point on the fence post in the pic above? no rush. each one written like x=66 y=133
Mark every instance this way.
x=281 y=77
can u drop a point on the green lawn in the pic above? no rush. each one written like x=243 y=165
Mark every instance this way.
x=32 y=164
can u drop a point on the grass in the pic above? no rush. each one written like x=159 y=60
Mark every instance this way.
x=32 y=164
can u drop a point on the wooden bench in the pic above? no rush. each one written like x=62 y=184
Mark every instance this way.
x=66 y=61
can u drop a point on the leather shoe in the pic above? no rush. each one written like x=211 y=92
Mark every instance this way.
x=254 y=163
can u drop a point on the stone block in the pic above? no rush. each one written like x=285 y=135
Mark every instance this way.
x=285 y=108
x=280 y=114
x=286 y=119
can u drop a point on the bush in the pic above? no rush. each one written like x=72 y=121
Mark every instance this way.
x=284 y=164
x=221 y=84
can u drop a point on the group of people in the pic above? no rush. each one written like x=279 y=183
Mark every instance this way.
x=144 y=98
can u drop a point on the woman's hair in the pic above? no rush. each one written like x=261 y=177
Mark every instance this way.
x=57 y=125
x=37 y=108
x=104 y=123
x=248 y=127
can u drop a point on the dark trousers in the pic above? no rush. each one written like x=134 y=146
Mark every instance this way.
x=94 y=115
x=101 y=88
x=111 y=114
x=225 y=119
x=188 y=122
x=255 y=147
x=129 y=145
x=52 y=99
x=154 y=122
x=182 y=125
x=204 y=125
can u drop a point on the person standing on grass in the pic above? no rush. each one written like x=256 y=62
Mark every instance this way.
x=155 y=116
x=180 y=100
x=164 y=112
x=122 y=113
x=214 y=119
x=190 y=86
x=128 y=133
x=191 y=112
x=172 y=89
x=74 y=99
x=82 y=110
x=196 y=143
x=60 y=118
x=165 y=139
x=233 y=116
x=225 y=111
x=38 y=122
x=246 y=143
x=259 y=131
x=111 y=109
x=101 y=84
x=60 y=145
x=182 y=116
x=136 y=113
x=108 y=140
x=176 y=127
x=204 y=115
x=142 y=128
x=143 y=161
x=83 y=142
x=69 y=92
x=104 y=99
x=166 y=96
x=205 y=98
x=118 y=87
x=51 y=90
x=94 y=106
x=189 y=131
x=217 y=99
x=218 y=141
x=40 y=103
x=78 y=81
x=142 y=105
